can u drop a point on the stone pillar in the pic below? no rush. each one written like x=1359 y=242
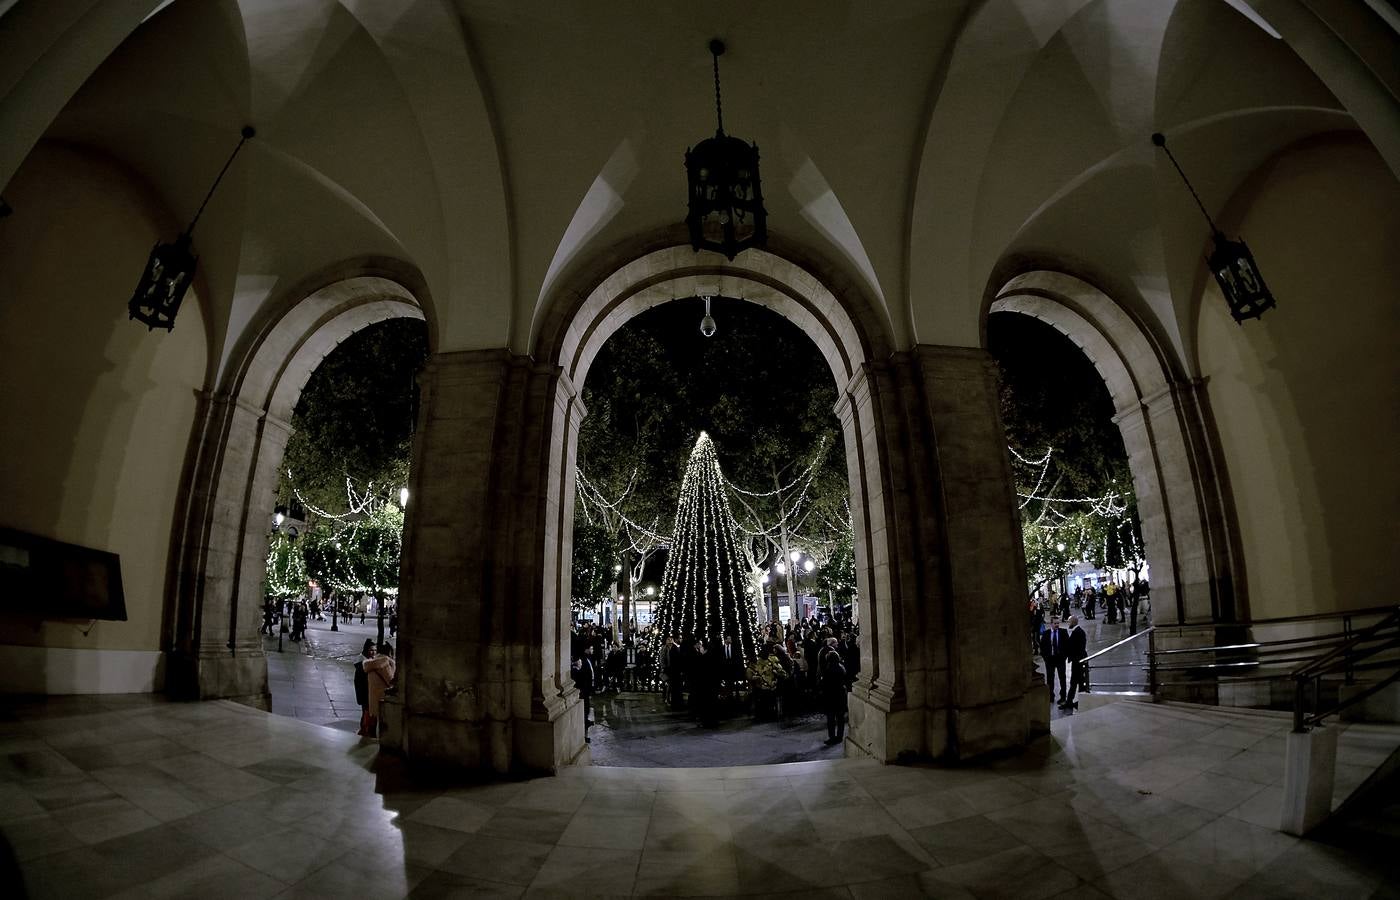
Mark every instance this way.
x=222 y=553
x=483 y=667
x=1183 y=510
x=1310 y=765
x=942 y=574
x=991 y=701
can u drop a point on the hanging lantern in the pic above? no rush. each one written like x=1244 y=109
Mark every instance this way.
x=171 y=267
x=726 y=198
x=1230 y=262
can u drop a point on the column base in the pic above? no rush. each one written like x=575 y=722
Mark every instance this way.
x=893 y=735
x=242 y=678
x=536 y=746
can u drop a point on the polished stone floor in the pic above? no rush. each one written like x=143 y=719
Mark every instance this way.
x=634 y=728
x=136 y=797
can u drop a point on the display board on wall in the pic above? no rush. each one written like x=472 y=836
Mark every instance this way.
x=53 y=580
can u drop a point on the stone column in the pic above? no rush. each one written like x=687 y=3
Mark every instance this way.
x=990 y=698
x=483 y=668
x=942 y=574
x=222 y=552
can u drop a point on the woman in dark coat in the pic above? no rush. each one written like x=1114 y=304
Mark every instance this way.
x=833 y=692
x=362 y=686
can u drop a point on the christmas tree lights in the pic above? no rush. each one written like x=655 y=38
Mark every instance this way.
x=706 y=589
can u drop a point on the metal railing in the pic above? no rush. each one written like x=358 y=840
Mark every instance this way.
x=1104 y=659
x=1367 y=650
x=1306 y=662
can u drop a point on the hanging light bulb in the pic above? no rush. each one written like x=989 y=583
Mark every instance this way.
x=707 y=324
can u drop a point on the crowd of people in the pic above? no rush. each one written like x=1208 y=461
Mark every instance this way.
x=1068 y=645
x=1119 y=603
x=800 y=666
x=296 y=612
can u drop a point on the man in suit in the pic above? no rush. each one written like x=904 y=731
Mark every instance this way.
x=733 y=664
x=586 y=676
x=1078 y=651
x=1054 y=648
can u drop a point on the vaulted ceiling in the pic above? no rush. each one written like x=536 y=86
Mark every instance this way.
x=925 y=149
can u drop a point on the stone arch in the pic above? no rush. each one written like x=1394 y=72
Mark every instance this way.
x=1167 y=432
x=232 y=469
x=846 y=334
x=485 y=599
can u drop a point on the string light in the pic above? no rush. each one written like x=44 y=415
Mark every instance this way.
x=706 y=588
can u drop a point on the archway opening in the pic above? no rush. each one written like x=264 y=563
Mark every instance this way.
x=1196 y=575
x=848 y=332
x=230 y=498
x=1086 y=562
x=713 y=508
x=332 y=578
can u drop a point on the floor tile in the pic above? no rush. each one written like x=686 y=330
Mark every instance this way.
x=496 y=859
x=962 y=840
x=588 y=871
x=688 y=873
x=449 y=812
x=531 y=825
x=611 y=832
x=1018 y=873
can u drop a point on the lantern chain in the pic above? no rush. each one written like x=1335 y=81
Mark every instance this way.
x=717 y=48
x=247 y=133
x=1161 y=141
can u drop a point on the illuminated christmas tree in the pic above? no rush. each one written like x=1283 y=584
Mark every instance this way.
x=706 y=592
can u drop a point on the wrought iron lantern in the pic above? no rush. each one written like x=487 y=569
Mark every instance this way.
x=171 y=267
x=726 y=199
x=1230 y=262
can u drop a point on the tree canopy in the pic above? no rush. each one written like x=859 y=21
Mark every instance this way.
x=355 y=416
x=1068 y=459
x=759 y=388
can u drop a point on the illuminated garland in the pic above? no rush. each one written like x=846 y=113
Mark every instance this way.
x=706 y=589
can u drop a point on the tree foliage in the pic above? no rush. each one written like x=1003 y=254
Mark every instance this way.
x=355 y=416
x=759 y=388
x=594 y=558
x=1054 y=401
x=357 y=557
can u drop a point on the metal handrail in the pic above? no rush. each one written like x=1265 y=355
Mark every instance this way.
x=1131 y=637
x=1311 y=617
x=1335 y=638
x=1346 y=660
x=1362 y=636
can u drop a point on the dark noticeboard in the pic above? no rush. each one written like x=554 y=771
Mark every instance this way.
x=53 y=580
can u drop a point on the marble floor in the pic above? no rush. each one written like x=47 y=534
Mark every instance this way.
x=635 y=728
x=137 y=797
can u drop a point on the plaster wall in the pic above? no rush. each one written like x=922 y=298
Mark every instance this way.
x=97 y=409
x=1307 y=399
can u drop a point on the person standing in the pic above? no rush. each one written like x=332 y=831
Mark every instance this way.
x=379 y=674
x=1053 y=649
x=705 y=670
x=362 y=686
x=586 y=677
x=671 y=665
x=1077 y=652
x=833 y=691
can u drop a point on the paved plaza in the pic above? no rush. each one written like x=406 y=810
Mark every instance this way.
x=134 y=796
x=314 y=680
